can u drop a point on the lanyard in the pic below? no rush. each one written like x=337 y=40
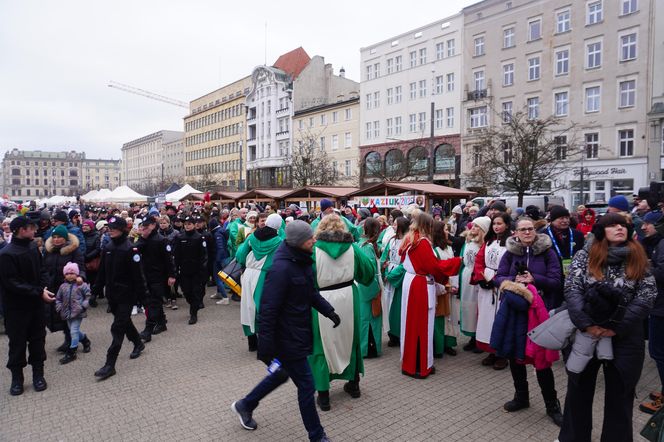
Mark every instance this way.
x=555 y=243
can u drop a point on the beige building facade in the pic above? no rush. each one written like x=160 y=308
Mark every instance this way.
x=100 y=174
x=214 y=138
x=336 y=129
x=587 y=62
x=143 y=167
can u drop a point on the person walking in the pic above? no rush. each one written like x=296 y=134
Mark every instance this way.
x=121 y=274
x=24 y=294
x=72 y=302
x=615 y=265
x=167 y=231
x=394 y=273
x=371 y=320
x=286 y=336
x=191 y=266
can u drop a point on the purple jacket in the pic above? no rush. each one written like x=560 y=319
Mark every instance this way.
x=72 y=300
x=541 y=261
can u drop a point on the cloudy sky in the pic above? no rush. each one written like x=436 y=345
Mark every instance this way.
x=57 y=58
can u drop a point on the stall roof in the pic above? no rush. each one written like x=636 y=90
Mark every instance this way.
x=257 y=194
x=395 y=188
x=320 y=192
x=226 y=195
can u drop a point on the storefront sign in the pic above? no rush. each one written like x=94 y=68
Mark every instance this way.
x=600 y=172
x=390 y=201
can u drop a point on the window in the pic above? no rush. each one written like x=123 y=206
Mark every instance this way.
x=594 y=55
x=423 y=88
x=508 y=152
x=451 y=48
x=450 y=82
x=535 y=29
x=413 y=59
x=323 y=119
x=423 y=56
x=348 y=140
x=628 y=6
x=479 y=80
x=413 y=90
x=478 y=117
x=533 y=68
x=440 y=51
x=389 y=95
x=592 y=145
x=335 y=142
x=335 y=166
x=369 y=72
x=376 y=100
x=561 y=147
x=412 y=123
x=592 y=99
x=349 y=114
x=397 y=63
x=367 y=131
x=628 y=47
x=440 y=84
x=533 y=108
x=450 y=116
x=626 y=142
x=561 y=100
x=594 y=13
x=376 y=129
x=508 y=37
x=627 y=91
x=376 y=70
x=388 y=127
x=335 y=117
x=348 y=167
x=422 y=120
x=562 y=62
x=477 y=156
x=506 y=111
x=397 y=94
x=390 y=65
x=438 y=116
x=508 y=74
x=479 y=46
x=397 y=125
x=563 y=21
x=368 y=101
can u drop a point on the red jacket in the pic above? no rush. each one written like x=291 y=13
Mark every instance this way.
x=586 y=226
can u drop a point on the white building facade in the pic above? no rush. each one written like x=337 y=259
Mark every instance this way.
x=143 y=159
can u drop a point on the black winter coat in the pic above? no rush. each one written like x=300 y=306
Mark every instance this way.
x=92 y=245
x=156 y=258
x=55 y=259
x=120 y=272
x=191 y=255
x=289 y=295
x=22 y=276
x=655 y=249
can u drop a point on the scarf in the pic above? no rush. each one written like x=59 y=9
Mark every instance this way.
x=617 y=254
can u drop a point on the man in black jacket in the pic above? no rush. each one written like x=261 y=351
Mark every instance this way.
x=285 y=338
x=191 y=266
x=23 y=283
x=159 y=270
x=120 y=272
x=566 y=241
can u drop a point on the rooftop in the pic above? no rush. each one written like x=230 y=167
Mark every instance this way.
x=293 y=62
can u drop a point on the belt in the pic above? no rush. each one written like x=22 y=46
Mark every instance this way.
x=336 y=286
x=430 y=280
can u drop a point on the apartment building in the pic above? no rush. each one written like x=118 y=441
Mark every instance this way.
x=410 y=96
x=143 y=160
x=100 y=174
x=585 y=61
x=214 y=138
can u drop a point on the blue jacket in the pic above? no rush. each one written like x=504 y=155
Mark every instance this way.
x=221 y=239
x=508 y=335
x=74 y=231
x=289 y=295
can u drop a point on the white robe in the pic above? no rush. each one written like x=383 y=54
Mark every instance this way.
x=249 y=282
x=468 y=291
x=394 y=260
x=487 y=300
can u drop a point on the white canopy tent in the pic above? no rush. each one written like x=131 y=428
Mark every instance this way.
x=88 y=196
x=100 y=196
x=182 y=193
x=124 y=194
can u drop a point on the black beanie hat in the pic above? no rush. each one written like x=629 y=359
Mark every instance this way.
x=557 y=212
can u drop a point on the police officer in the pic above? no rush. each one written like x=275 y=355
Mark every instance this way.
x=210 y=245
x=23 y=282
x=191 y=265
x=159 y=270
x=120 y=272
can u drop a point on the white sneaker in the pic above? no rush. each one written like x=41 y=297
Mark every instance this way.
x=223 y=301
x=134 y=311
x=215 y=296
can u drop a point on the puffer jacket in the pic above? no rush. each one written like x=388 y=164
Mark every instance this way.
x=508 y=335
x=92 y=245
x=72 y=300
x=542 y=263
x=55 y=259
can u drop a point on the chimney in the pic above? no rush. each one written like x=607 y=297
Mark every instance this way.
x=342 y=72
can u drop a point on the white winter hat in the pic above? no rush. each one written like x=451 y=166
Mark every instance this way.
x=457 y=209
x=252 y=214
x=483 y=222
x=273 y=221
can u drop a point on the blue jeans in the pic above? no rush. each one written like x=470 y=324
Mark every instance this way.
x=656 y=344
x=300 y=372
x=75 y=330
x=218 y=266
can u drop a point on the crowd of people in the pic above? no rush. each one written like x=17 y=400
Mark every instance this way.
x=321 y=291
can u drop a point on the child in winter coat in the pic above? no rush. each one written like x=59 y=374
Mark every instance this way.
x=72 y=302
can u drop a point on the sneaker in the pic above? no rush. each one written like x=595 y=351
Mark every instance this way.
x=134 y=311
x=223 y=301
x=174 y=305
x=216 y=296
x=651 y=407
x=247 y=422
x=141 y=310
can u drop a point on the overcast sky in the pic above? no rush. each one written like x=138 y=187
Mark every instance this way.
x=57 y=57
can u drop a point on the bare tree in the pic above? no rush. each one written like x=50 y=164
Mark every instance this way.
x=310 y=165
x=524 y=155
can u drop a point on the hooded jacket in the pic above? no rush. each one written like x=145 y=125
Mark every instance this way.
x=55 y=259
x=586 y=226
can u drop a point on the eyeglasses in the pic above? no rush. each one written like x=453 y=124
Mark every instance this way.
x=525 y=229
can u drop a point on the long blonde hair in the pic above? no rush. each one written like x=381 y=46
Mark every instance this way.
x=329 y=223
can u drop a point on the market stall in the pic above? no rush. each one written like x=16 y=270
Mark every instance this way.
x=311 y=195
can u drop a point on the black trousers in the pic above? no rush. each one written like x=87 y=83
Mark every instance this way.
x=193 y=289
x=618 y=405
x=121 y=326
x=545 y=380
x=154 y=305
x=26 y=329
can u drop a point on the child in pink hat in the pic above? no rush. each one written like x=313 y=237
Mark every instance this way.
x=72 y=302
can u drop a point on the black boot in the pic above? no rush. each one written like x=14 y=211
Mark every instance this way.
x=105 y=372
x=38 y=381
x=323 y=400
x=159 y=328
x=252 y=341
x=17 y=382
x=353 y=389
x=69 y=356
x=138 y=349
x=93 y=303
x=554 y=412
x=193 y=319
x=470 y=346
x=519 y=402
x=64 y=347
x=394 y=341
x=146 y=335
x=86 y=344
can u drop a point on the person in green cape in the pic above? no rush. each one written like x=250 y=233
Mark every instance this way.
x=237 y=218
x=255 y=254
x=442 y=343
x=371 y=324
x=394 y=272
x=327 y=208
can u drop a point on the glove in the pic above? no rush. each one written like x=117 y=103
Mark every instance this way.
x=487 y=285
x=335 y=319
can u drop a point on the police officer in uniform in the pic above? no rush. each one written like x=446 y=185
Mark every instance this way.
x=23 y=284
x=159 y=270
x=191 y=265
x=120 y=272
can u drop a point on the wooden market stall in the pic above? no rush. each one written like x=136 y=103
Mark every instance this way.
x=313 y=195
x=274 y=196
x=226 y=197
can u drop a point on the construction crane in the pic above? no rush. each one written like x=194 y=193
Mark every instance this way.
x=148 y=94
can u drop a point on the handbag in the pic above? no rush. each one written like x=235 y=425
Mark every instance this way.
x=652 y=430
x=376 y=307
x=93 y=264
x=231 y=274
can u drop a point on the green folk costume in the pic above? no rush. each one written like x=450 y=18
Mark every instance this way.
x=336 y=351
x=232 y=236
x=352 y=228
x=370 y=323
x=441 y=341
x=256 y=255
x=394 y=272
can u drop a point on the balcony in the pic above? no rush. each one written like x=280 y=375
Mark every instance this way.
x=282 y=110
x=477 y=94
x=283 y=135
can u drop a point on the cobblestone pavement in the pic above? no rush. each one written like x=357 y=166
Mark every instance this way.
x=181 y=388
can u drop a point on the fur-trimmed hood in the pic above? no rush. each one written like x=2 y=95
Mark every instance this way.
x=542 y=244
x=341 y=236
x=517 y=288
x=70 y=246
